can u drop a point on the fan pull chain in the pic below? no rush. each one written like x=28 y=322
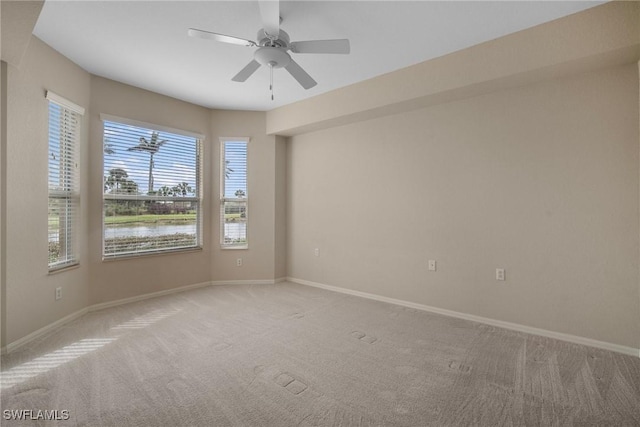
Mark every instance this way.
x=271 y=80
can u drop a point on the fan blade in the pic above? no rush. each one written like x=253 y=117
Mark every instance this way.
x=270 y=13
x=300 y=75
x=247 y=71
x=220 y=37
x=322 y=46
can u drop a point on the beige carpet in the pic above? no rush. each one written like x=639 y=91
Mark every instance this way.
x=289 y=355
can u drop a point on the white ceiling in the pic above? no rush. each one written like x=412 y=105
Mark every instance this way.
x=145 y=43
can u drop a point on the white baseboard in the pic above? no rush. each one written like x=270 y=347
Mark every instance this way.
x=499 y=323
x=179 y=289
x=42 y=331
x=243 y=282
x=52 y=326
x=108 y=304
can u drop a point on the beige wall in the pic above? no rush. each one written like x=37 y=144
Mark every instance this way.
x=3 y=204
x=258 y=259
x=540 y=180
x=281 y=209
x=30 y=302
x=17 y=20
x=117 y=279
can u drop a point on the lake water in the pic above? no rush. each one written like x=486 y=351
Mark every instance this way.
x=232 y=230
x=153 y=230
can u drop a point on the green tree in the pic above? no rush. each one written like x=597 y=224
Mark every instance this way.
x=151 y=147
x=116 y=177
x=128 y=186
x=165 y=191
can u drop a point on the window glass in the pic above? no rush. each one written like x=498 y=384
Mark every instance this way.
x=151 y=188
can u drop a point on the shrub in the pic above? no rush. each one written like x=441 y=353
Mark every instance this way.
x=54 y=251
x=159 y=208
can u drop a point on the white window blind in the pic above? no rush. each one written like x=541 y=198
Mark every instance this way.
x=63 y=177
x=151 y=193
x=233 y=203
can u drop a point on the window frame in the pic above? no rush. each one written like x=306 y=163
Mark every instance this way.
x=198 y=198
x=223 y=200
x=69 y=194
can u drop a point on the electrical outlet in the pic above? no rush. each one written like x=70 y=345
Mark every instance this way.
x=239 y=262
x=58 y=293
x=500 y=274
x=432 y=265
x=316 y=252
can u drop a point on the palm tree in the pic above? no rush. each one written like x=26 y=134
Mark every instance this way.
x=227 y=169
x=151 y=147
x=108 y=147
x=182 y=189
x=240 y=194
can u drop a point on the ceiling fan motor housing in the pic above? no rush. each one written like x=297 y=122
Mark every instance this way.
x=266 y=40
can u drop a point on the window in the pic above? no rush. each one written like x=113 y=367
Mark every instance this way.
x=233 y=190
x=64 y=188
x=151 y=189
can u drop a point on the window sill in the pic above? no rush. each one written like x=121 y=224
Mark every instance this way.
x=65 y=268
x=149 y=254
x=234 y=248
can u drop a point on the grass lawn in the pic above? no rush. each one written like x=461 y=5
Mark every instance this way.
x=232 y=216
x=147 y=219
x=150 y=219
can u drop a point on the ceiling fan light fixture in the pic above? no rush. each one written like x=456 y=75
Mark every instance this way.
x=274 y=57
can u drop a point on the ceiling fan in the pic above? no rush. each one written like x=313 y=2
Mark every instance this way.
x=273 y=45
